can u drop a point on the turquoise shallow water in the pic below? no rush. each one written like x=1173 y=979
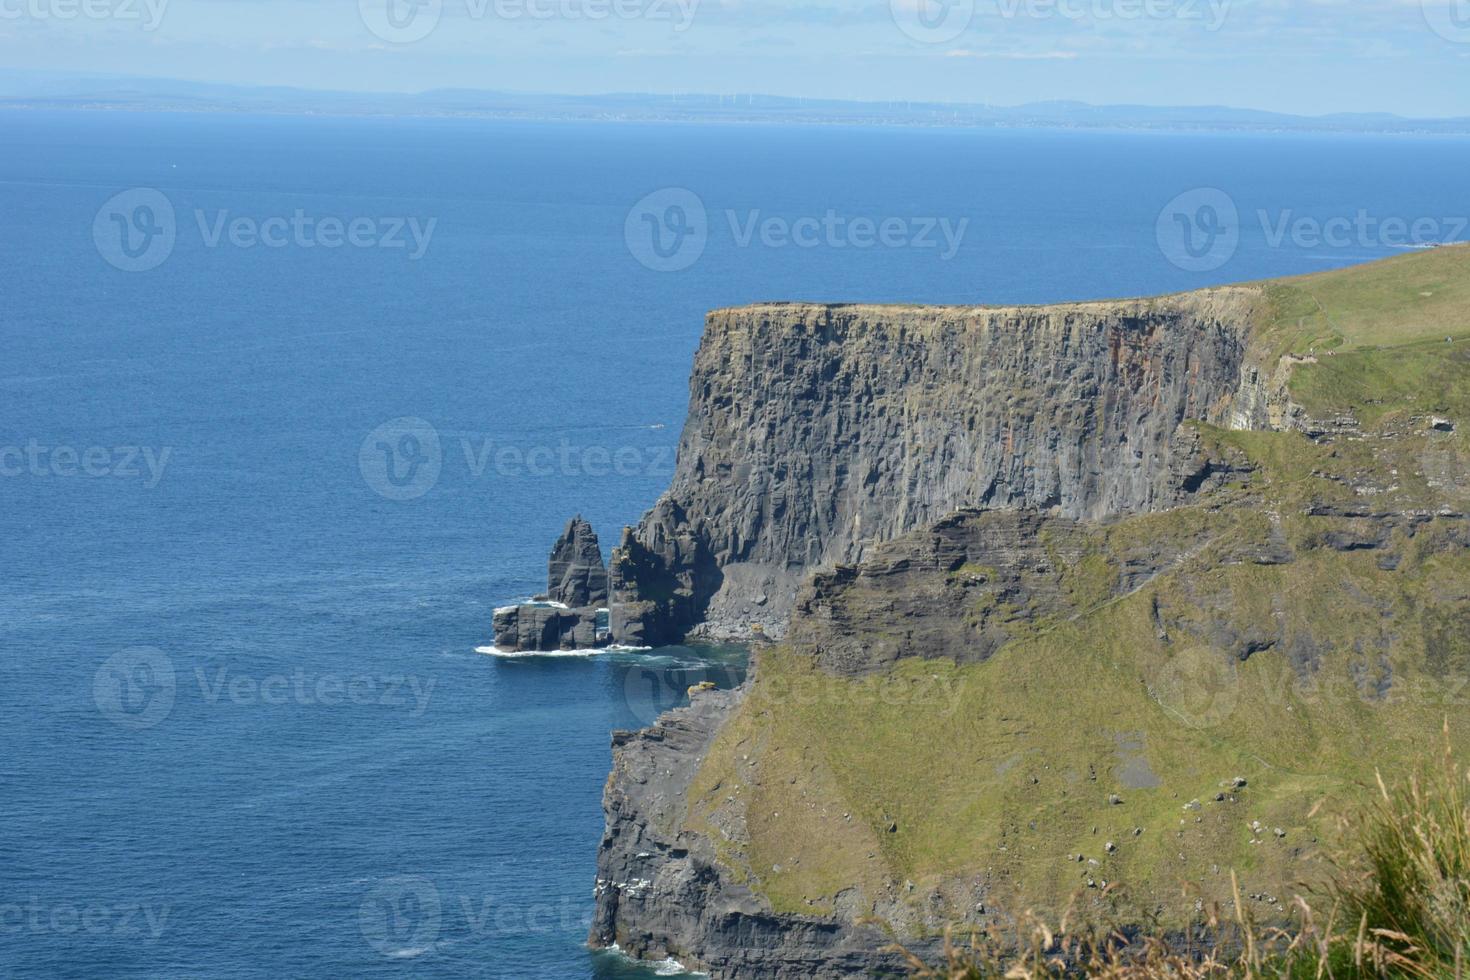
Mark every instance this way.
x=246 y=732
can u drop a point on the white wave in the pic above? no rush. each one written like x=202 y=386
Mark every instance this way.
x=664 y=968
x=497 y=652
x=412 y=952
x=517 y=654
x=532 y=601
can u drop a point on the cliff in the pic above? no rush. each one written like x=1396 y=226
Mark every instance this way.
x=1046 y=583
x=815 y=431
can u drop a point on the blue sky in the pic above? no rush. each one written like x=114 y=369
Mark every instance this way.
x=1308 y=56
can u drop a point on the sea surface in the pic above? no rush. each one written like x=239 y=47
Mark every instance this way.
x=258 y=501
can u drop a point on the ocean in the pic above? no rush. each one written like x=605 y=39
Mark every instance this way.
x=290 y=404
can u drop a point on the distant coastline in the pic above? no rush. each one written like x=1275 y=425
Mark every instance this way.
x=48 y=91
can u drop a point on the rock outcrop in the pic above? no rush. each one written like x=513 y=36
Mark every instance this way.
x=532 y=627
x=576 y=575
x=566 y=618
x=816 y=432
x=874 y=484
x=661 y=892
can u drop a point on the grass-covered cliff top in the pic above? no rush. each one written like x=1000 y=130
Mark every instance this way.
x=1318 y=630
x=1366 y=340
x=1422 y=294
x=1383 y=338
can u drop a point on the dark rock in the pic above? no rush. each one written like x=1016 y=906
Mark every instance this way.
x=816 y=431
x=530 y=628
x=576 y=575
x=1004 y=568
x=660 y=891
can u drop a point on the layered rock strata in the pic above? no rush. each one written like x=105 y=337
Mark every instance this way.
x=567 y=617
x=815 y=432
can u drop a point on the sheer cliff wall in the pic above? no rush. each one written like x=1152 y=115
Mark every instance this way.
x=816 y=432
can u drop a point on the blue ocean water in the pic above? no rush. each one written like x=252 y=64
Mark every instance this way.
x=245 y=730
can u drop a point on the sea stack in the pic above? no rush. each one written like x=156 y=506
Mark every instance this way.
x=576 y=576
x=576 y=592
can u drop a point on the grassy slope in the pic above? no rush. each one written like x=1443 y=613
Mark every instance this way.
x=1378 y=332
x=1001 y=773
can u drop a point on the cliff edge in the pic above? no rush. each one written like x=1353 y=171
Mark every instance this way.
x=1091 y=600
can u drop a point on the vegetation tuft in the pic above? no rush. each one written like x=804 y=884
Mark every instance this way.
x=1397 y=907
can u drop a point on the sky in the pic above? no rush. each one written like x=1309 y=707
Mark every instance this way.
x=1410 y=57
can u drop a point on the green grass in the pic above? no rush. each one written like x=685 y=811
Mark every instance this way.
x=906 y=795
x=1378 y=335
x=1426 y=377
x=1422 y=295
x=1001 y=773
x=1397 y=906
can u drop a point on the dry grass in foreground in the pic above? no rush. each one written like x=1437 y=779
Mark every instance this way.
x=1398 y=907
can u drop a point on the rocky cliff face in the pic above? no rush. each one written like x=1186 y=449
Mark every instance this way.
x=818 y=434
x=815 y=432
x=874 y=485
x=661 y=891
